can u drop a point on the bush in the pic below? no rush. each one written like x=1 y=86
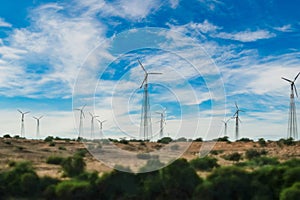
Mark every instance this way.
x=81 y=152
x=123 y=141
x=216 y=152
x=62 y=148
x=182 y=139
x=253 y=153
x=165 y=140
x=49 y=139
x=291 y=193
x=262 y=142
x=261 y=161
x=223 y=139
x=73 y=190
x=204 y=164
x=287 y=142
x=198 y=140
x=233 y=156
x=6 y=136
x=51 y=144
x=55 y=160
x=151 y=165
x=73 y=166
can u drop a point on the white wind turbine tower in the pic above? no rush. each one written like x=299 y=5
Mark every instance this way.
x=145 y=127
x=101 y=127
x=292 y=126
x=22 y=122
x=225 y=126
x=162 y=122
x=237 y=119
x=38 y=126
x=81 y=120
x=92 y=125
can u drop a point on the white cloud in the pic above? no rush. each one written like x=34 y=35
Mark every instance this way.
x=246 y=36
x=127 y=9
x=174 y=3
x=285 y=28
x=3 y=23
x=204 y=27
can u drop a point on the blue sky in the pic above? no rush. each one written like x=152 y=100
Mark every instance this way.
x=56 y=55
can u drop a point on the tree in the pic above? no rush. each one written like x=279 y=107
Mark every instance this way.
x=205 y=163
x=179 y=180
x=291 y=193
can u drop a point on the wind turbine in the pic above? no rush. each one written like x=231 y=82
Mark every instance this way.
x=22 y=122
x=92 y=124
x=237 y=119
x=38 y=126
x=146 y=127
x=101 y=127
x=292 y=125
x=225 y=126
x=81 y=120
x=162 y=122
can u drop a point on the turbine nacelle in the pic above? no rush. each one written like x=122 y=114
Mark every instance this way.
x=293 y=86
x=145 y=81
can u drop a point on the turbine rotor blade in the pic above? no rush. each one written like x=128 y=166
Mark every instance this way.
x=287 y=80
x=143 y=81
x=83 y=107
x=296 y=77
x=236 y=105
x=142 y=66
x=296 y=91
x=20 y=111
x=41 y=117
x=26 y=112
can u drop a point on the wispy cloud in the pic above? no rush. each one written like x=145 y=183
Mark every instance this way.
x=284 y=28
x=3 y=23
x=247 y=36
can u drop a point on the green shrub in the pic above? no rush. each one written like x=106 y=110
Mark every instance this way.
x=55 y=160
x=253 y=153
x=182 y=139
x=51 y=144
x=291 y=193
x=263 y=160
x=262 y=142
x=81 y=152
x=198 y=140
x=49 y=139
x=165 y=140
x=223 y=139
x=7 y=142
x=233 y=156
x=216 y=152
x=204 y=164
x=62 y=148
x=6 y=136
x=287 y=142
x=73 y=190
x=73 y=166
x=123 y=141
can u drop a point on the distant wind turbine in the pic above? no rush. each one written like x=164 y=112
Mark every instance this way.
x=22 y=122
x=92 y=125
x=292 y=125
x=237 y=119
x=162 y=122
x=101 y=127
x=81 y=120
x=225 y=126
x=38 y=126
x=146 y=127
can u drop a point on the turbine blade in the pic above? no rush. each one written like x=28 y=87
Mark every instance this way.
x=19 y=111
x=142 y=66
x=296 y=91
x=143 y=81
x=82 y=113
x=83 y=107
x=41 y=117
x=26 y=112
x=35 y=118
x=91 y=114
x=286 y=79
x=296 y=77
x=103 y=121
x=236 y=105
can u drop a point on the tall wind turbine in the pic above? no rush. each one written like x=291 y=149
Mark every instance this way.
x=81 y=120
x=146 y=127
x=38 y=126
x=92 y=125
x=22 y=122
x=237 y=119
x=101 y=127
x=292 y=126
x=162 y=122
x=225 y=126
